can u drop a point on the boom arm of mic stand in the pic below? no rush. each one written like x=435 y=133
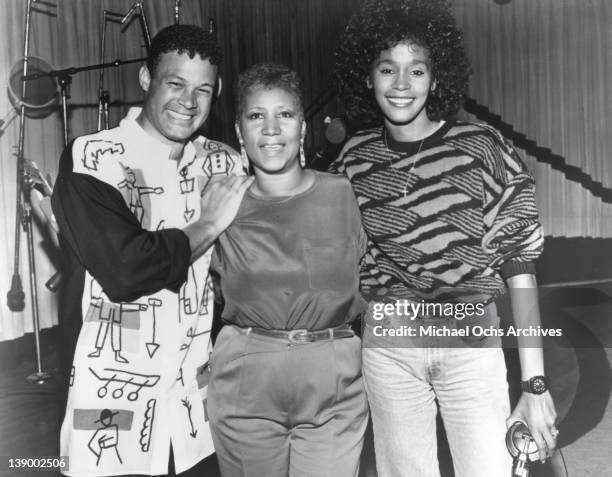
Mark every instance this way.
x=138 y=6
x=145 y=27
x=73 y=70
x=64 y=77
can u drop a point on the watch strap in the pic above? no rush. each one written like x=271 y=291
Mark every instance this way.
x=535 y=385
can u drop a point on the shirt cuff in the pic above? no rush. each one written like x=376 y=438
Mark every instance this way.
x=513 y=267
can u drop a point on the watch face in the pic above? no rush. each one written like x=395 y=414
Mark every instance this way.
x=538 y=385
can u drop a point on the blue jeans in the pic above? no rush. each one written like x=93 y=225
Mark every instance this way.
x=470 y=387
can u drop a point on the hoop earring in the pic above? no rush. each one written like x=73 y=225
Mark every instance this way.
x=302 y=155
x=244 y=159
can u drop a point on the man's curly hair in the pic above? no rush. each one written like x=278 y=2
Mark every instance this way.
x=382 y=24
x=189 y=39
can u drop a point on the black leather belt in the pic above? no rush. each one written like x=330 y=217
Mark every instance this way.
x=301 y=336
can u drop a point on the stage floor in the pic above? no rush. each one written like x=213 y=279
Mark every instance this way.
x=579 y=365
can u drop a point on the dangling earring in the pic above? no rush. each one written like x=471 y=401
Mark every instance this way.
x=302 y=156
x=244 y=158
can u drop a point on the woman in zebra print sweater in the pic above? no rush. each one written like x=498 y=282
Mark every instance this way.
x=449 y=209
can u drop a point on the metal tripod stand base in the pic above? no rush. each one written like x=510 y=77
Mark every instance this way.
x=41 y=377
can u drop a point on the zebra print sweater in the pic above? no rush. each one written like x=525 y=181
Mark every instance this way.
x=449 y=217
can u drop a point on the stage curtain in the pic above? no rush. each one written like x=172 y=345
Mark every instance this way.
x=66 y=36
x=300 y=33
x=42 y=143
x=545 y=67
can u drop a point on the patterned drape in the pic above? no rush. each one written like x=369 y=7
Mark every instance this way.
x=545 y=67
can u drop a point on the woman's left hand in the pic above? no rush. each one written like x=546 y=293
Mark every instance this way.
x=537 y=411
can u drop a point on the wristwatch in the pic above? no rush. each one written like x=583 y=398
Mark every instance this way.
x=535 y=385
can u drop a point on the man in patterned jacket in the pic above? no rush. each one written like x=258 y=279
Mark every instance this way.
x=138 y=208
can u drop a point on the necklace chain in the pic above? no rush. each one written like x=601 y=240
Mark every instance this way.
x=414 y=163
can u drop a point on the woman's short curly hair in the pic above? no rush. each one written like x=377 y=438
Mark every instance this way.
x=382 y=24
x=268 y=76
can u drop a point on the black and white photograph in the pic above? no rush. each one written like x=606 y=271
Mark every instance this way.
x=305 y=238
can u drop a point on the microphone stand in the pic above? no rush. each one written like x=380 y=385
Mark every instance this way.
x=109 y=16
x=103 y=95
x=40 y=376
x=64 y=78
x=177 y=12
x=25 y=184
x=16 y=296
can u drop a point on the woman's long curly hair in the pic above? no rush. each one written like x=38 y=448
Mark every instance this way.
x=382 y=24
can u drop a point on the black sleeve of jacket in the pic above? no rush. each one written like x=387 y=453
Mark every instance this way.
x=107 y=239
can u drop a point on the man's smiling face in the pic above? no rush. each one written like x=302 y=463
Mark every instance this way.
x=179 y=94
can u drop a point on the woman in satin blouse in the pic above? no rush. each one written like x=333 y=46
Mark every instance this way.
x=286 y=395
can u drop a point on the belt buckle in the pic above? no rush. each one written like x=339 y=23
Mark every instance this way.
x=300 y=336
